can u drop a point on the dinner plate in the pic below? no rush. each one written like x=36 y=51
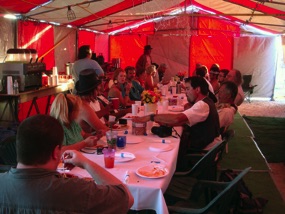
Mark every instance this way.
x=129 y=116
x=133 y=139
x=176 y=108
x=152 y=171
x=120 y=127
x=124 y=157
x=160 y=147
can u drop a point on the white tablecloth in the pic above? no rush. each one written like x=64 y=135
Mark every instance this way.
x=147 y=193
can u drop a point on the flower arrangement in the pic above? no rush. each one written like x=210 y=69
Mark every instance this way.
x=149 y=96
x=180 y=76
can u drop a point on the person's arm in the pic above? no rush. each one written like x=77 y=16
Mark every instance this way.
x=100 y=175
x=164 y=119
x=88 y=142
x=89 y=116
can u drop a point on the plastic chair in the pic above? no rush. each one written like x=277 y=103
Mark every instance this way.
x=226 y=194
x=247 y=87
x=205 y=169
x=8 y=154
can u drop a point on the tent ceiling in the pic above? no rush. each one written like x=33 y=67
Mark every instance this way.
x=107 y=15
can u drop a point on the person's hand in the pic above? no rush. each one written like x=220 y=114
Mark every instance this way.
x=74 y=157
x=143 y=119
x=128 y=87
x=91 y=141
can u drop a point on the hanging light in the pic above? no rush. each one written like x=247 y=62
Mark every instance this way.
x=70 y=13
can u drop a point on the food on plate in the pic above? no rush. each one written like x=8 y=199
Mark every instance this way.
x=155 y=172
x=131 y=116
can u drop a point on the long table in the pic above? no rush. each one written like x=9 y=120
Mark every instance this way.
x=9 y=104
x=147 y=192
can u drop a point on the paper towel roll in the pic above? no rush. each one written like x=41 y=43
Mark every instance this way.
x=54 y=80
x=10 y=85
x=54 y=71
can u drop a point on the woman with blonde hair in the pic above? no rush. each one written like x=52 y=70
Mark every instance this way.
x=121 y=88
x=77 y=119
x=150 y=74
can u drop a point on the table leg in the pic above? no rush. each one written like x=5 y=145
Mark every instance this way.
x=34 y=103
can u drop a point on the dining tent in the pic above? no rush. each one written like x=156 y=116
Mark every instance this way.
x=232 y=33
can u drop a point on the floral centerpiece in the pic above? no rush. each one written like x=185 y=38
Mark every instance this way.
x=149 y=96
x=150 y=99
x=180 y=75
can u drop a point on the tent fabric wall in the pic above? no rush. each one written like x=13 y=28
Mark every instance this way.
x=38 y=36
x=65 y=48
x=102 y=46
x=86 y=38
x=257 y=56
x=128 y=48
x=171 y=50
x=209 y=50
x=7 y=36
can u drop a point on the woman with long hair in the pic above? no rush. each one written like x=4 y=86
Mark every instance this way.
x=121 y=88
x=77 y=119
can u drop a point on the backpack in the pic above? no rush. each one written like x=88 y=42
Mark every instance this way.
x=245 y=202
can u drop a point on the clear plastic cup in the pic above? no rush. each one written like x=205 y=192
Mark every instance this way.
x=109 y=157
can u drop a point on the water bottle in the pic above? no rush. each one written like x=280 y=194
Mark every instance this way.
x=178 y=88
x=16 y=87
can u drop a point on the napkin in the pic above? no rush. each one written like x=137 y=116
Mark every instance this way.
x=124 y=155
x=163 y=141
x=127 y=177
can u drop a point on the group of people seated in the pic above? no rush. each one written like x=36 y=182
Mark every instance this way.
x=80 y=120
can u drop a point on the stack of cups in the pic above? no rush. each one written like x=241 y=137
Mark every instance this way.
x=54 y=76
x=10 y=85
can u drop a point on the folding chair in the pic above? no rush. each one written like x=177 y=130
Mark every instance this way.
x=226 y=193
x=247 y=87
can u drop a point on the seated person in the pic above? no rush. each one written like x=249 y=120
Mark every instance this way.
x=35 y=186
x=89 y=89
x=236 y=77
x=200 y=122
x=136 y=89
x=226 y=107
x=76 y=118
x=214 y=74
x=121 y=88
x=149 y=80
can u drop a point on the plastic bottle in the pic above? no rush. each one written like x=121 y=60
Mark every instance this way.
x=178 y=88
x=16 y=87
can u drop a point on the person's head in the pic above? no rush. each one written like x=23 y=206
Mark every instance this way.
x=150 y=70
x=88 y=83
x=64 y=106
x=234 y=76
x=202 y=71
x=227 y=92
x=147 y=49
x=222 y=75
x=131 y=72
x=195 y=87
x=162 y=68
x=84 y=51
x=39 y=140
x=119 y=76
x=214 y=71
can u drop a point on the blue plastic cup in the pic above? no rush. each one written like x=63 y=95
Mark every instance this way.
x=121 y=142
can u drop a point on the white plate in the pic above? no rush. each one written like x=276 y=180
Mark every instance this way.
x=133 y=139
x=152 y=171
x=124 y=157
x=176 y=108
x=160 y=148
x=129 y=116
